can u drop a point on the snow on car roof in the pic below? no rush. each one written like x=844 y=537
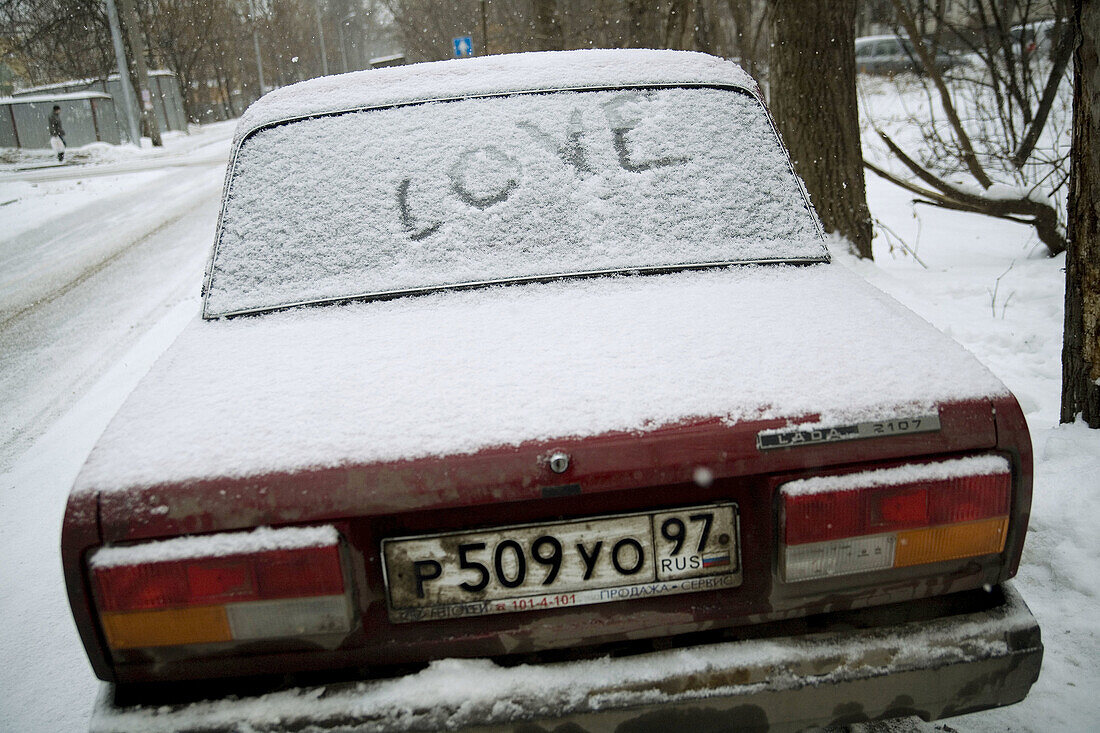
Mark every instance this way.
x=491 y=75
x=456 y=372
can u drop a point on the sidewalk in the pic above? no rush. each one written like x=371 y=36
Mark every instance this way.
x=99 y=159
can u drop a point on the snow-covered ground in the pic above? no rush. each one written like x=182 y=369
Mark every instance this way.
x=98 y=275
x=989 y=284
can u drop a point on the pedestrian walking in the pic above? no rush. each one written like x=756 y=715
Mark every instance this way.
x=57 y=133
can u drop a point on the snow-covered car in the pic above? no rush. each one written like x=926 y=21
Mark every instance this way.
x=892 y=54
x=1039 y=37
x=525 y=393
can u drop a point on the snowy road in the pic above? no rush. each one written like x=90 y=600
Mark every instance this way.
x=89 y=297
x=79 y=288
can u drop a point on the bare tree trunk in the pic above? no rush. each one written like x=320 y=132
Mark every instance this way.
x=702 y=31
x=227 y=95
x=1081 y=341
x=641 y=19
x=548 y=36
x=813 y=97
x=676 y=23
x=749 y=27
x=189 y=108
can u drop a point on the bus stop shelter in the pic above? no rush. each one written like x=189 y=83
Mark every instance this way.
x=87 y=117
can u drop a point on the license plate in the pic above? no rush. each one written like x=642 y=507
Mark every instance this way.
x=534 y=567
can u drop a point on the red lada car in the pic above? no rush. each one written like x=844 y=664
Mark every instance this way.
x=525 y=394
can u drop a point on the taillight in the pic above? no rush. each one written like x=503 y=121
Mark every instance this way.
x=896 y=517
x=263 y=584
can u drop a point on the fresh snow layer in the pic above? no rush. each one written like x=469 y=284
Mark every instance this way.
x=261 y=539
x=907 y=474
x=455 y=372
x=491 y=75
x=505 y=188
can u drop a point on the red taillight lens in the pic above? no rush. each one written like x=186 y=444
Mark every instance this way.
x=906 y=507
x=310 y=571
x=220 y=581
x=817 y=517
x=908 y=515
x=972 y=498
x=148 y=601
x=871 y=509
x=142 y=586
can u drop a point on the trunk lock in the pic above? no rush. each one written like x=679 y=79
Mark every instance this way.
x=559 y=462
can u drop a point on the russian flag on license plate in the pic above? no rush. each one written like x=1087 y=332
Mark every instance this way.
x=716 y=561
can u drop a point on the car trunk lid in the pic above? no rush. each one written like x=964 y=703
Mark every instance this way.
x=691 y=451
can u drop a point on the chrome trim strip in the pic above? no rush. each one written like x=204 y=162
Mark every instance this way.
x=794 y=437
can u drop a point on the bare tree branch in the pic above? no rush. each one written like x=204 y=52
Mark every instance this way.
x=1062 y=56
x=929 y=64
x=899 y=181
x=1038 y=214
x=918 y=170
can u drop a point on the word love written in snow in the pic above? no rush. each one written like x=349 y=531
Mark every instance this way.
x=571 y=153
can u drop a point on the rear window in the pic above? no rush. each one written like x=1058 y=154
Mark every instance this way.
x=382 y=202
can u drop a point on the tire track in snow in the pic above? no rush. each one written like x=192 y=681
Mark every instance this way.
x=51 y=352
x=95 y=268
x=45 y=262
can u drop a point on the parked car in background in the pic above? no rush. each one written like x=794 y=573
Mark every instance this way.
x=1039 y=38
x=541 y=359
x=891 y=54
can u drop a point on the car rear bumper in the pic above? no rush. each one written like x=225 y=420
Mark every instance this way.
x=934 y=668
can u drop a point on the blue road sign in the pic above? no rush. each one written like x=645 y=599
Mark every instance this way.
x=464 y=46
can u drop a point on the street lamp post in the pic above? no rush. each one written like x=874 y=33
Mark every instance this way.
x=484 y=30
x=321 y=37
x=256 y=46
x=128 y=100
x=145 y=94
x=340 y=33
